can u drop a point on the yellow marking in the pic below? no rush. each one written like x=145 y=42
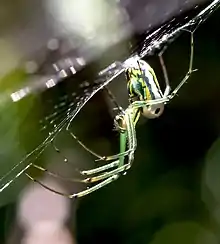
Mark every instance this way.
x=136 y=116
x=130 y=88
x=147 y=91
x=154 y=77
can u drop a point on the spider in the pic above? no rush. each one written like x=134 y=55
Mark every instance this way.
x=145 y=98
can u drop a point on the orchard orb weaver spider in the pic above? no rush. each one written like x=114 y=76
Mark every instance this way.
x=146 y=98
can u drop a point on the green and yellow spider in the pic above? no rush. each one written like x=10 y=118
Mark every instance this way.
x=146 y=98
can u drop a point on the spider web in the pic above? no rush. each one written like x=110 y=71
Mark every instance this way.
x=64 y=112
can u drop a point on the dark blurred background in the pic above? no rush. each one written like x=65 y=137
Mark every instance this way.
x=172 y=192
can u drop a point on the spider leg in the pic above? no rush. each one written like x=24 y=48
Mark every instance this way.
x=190 y=70
x=100 y=158
x=165 y=74
x=100 y=169
x=55 y=175
x=96 y=187
x=85 y=172
x=87 y=180
x=79 y=194
x=113 y=100
x=132 y=143
x=104 y=158
x=140 y=104
x=165 y=99
x=106 y=177
x=130 y=137
x=117 y=171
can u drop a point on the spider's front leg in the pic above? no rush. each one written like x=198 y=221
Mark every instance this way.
x=79 y=194
x=119 y=158
x=127 y=138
